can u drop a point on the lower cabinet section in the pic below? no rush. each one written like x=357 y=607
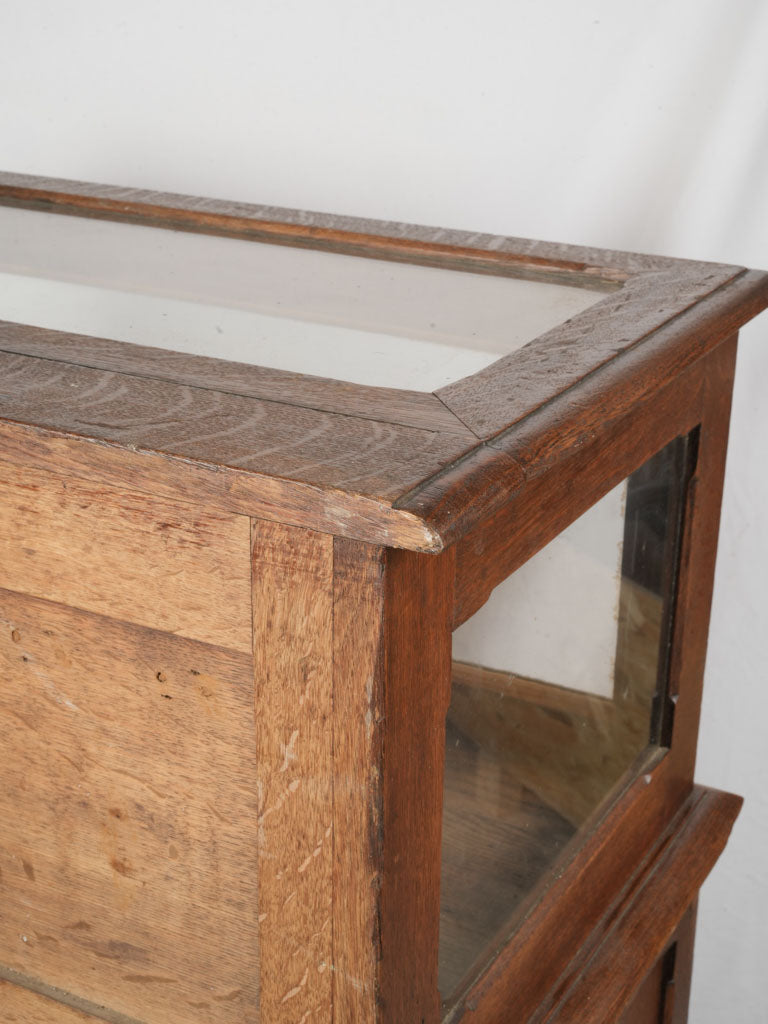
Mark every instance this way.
x=663 y=996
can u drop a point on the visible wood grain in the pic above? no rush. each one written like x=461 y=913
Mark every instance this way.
x=662 y=998
x=20 y=1006
x=699 y=553
x=128 y=851
x=359 y=456
x=497 y=397
x=416 y=695
x=384 y=240
x=537 y=512
x=647 y=1004
x=358 y=721
x=388 y=405
x=219 y=489
x=439 y=480
x=126 y=554
x=557 y=425
x=293 y=671
x=567 y=911
x=643 y=927
x=38 y=1003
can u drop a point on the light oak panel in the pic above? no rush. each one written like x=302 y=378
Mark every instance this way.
x=20 y=1006
x=128 y=854
x=293 y=651
x=129 y=555
x=358 y=628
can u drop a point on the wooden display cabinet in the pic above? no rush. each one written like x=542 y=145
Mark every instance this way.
x=354 y=590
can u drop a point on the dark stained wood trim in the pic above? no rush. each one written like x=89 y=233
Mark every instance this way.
x=643 y=924
x=417 y=680
x=567 y=908
x=537 y=512
x=501 y=395
x=699 y=553
x=332 y=232
x=483 y=481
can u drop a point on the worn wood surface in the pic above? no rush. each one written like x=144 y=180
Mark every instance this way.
x=20 y=1006
x=218 y=488
x=497 y=397
x=387 y=405
x=359 y=456
x=643 y=926
x=129 y=844
x=293 y=672
x=126 y=554
x=536 y=513
x=553 y=432
x=358 y=722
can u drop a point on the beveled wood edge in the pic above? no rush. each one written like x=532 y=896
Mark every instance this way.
x=386 y=239
x=491 y=401
x=654 y=902
x=482 y=481
x=250 y=494
x=460 y=493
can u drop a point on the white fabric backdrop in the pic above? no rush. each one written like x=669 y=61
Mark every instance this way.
x=604 y=122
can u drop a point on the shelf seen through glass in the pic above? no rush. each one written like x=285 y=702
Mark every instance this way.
x=365 y=321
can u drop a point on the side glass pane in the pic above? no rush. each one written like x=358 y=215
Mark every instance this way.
x=559 y=697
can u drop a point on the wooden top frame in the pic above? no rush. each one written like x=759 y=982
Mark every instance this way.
x=398 y=468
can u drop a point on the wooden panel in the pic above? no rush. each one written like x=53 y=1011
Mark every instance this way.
x=308 y=446
x=548 y=502
x=318 y=230
x=647 y=1005
x=419 y=594
x=358 y=628
x=217 y=487
x=556 y=432
x=493 y=399
x=408 y=408
x=642 y=926
x=293 y=649
x=20 y=1006
x=129 y=845
x=125 y=554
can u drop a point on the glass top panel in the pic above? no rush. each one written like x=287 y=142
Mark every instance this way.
x=366 y=321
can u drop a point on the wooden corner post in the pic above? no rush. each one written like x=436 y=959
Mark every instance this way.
x=352 y=656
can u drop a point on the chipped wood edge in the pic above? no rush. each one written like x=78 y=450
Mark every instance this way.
x=251 y=494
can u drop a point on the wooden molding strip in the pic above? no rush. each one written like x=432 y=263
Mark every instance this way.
x=655 y=903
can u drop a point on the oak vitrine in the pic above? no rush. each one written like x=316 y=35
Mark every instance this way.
x=354 y=589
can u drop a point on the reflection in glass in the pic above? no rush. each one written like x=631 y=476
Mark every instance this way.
x=559 y=687
x=368 y=321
